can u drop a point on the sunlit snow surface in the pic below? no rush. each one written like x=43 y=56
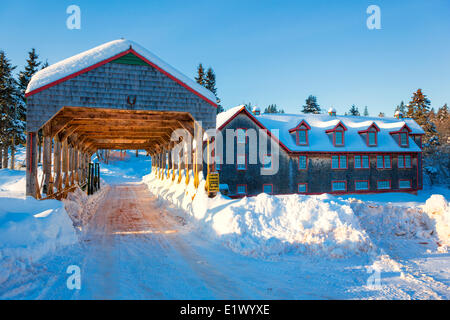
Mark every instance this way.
x=163 y=245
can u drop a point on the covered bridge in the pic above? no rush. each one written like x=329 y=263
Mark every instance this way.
x=115 y=96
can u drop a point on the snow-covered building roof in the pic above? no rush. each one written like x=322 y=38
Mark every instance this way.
x=321 y=141
x=105 y=53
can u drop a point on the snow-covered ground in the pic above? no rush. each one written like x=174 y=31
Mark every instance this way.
x=151 y=240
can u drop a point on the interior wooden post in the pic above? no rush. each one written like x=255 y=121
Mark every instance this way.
x=65 y=162
x=76 y=164
x=57 y=164
x=47 y=162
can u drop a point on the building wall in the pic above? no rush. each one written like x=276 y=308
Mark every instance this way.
x=110 y=85
x=319 y=174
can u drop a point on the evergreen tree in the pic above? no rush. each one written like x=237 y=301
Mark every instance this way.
x=31 y=67
x=419 y=110
x=210 y=84
x=273 y=108
x=311 y=105
x=401 y=107
x=44 y=65
x=442 y=113
x=354 y=111
x=443 y=123
x=10 y=125
x=200 y=78
x=366 y=111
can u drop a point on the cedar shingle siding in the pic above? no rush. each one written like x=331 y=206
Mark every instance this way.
x=109 y=86
x=319 y=174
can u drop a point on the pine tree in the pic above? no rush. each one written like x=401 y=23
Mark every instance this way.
x=44 y=65
x=210 y=84
x=401 y=107
x=311 y=105
x=354 y=111
x=273 y=108
x=200 y=78
x=443 y=123
x=366 y=111
x=419 y=110
x=10 y=125
x=31 y=68
x=442 y=113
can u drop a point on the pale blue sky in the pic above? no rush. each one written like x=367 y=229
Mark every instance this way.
x=262 y=51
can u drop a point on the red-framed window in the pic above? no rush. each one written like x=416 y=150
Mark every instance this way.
x=372 y=139
x=361 y=185
x=338 y=134
x=302 y=137
x=301 y=133
x=371 y=135
x=338 y=186
x=384 y=184
x=267 y=161
x=302 y=188
x=302 y=162
x=241 y=161
x=241 y=189
x=404 y=161
x=362 y=161
x=268 y=188
x=403 y=136
x=403 y=139
x=384 y=162
x=339 y=161
x=404 y=184
x=339 y=137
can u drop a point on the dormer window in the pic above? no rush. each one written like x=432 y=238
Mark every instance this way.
x=339 y=138
x=302 y=137
x=301 y=133
x=402 y=135
x=338 y=134
x=404 y=139
x=371 y=135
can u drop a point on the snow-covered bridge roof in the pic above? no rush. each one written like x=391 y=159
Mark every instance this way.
x=104 y=53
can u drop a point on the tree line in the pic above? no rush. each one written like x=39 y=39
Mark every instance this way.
x=436 y=124
x=13 y=108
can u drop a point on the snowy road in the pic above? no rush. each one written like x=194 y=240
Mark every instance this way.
x=136 y=247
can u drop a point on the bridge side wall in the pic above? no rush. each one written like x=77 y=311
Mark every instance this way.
x=113 y=85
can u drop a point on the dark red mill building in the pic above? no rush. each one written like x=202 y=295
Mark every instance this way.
x=321 y=154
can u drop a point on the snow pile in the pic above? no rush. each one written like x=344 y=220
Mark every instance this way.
x=438 y=209
x=265 y=225
x=429 y=223
x=80 y=207
x=29 y=229
x=390 y=221
x=291 y=224
x=12 y=183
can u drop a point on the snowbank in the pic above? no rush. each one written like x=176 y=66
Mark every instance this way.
x=80 y=207
x=438 y=210
x=265 y=225
x=324 y=225
x=29 y=229
x=429 y=222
